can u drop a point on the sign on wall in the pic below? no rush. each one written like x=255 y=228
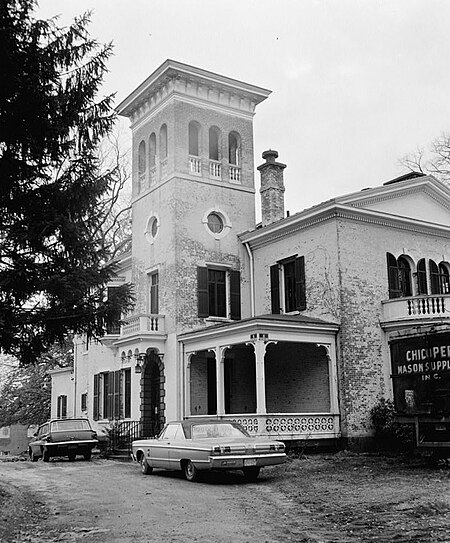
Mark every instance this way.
x=421 y=373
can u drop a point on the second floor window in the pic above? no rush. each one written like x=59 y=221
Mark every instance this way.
x=399 y=276
x=440 y=278
x=153 y=293
x=287 y=285
x=61 y=407
x=219 y=293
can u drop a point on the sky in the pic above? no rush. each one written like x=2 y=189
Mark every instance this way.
x=356 y=84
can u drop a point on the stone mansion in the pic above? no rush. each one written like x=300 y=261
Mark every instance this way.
x=285 y=326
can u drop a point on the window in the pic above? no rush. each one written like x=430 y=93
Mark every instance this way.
x=440 y=278
x=214 y=143
x=287 y=285
x=151 y=229
x=163 y=142
x=152 y=150
x=153 y=293
x=112 y=395
x=194 y=131
x=233 y=149
x=422 y=287
x=141 y=165
x=113 y=323
x=399 y=277
x=61 y=410
x=84 y=402
x=219 y=293
x=215 y=223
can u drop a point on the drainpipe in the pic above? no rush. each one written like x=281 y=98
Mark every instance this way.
x=252 y=280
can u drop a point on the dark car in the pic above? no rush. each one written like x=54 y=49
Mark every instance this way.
x=63 y=437
x=207 y=444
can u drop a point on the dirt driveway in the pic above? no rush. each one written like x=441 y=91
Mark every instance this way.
x=340 y=498
x=105 y=501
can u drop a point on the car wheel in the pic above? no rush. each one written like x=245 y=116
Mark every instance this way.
x=45 y=455
x=251 y=474
x=33 y=457
x=72 y=457
x=190 y=471
x=87 y=455
x=145 y=468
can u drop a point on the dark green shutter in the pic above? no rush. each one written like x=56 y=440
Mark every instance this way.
x=275 y=288
x=202 y=292
x=235 y=295
x=96 y=397
x=300 y=284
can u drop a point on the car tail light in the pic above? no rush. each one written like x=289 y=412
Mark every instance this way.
x=94 y=435
x=215 y=450
x=280 y=447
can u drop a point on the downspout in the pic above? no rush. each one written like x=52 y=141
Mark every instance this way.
x=252 y=279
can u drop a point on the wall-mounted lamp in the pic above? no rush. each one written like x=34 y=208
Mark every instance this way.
x=139 y=357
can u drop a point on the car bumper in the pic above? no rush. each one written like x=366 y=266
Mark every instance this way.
x=62 y=447
x=239 y=462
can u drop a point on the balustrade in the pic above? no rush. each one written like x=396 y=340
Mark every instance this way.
x=215 y=169
x=235 y=174
x=143 y=323
x=195 y=165
x=417 y=307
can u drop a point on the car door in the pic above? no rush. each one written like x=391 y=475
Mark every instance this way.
x=41 y=433
x=160 y=450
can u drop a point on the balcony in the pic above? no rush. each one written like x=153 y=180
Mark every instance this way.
x=195 y=165
x=215 y=169
x=144 y=323
x=235 y=174
x=289 y=427
x=415 y=308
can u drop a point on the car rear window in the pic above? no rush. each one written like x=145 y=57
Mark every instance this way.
x=67 y=425
x=211 y=430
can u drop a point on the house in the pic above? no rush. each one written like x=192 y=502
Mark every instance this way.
x=285 y=326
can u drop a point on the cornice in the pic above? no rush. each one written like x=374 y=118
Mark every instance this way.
x=191 y=83
x=297 y=223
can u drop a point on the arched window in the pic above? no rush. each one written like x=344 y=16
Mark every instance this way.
x=440 y=278
x=399 y=276
x=142 y=165
x=214 y=143
x=141 y=158
x=194 y=132
x=422 y=287
x=233 y=149
x=163 y=142
x=152 y=150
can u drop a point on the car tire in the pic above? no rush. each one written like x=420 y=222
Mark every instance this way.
x=251 y=474
x=145 y=468
x=87 y=455
x=72 y=457
x=45 y=455
x=33 y=457
x=190 y=471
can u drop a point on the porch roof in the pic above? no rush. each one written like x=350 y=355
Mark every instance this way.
x=281 y=327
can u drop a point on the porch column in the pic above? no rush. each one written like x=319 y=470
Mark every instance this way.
x=220 y=379
x=332 y=375
x=187 y=383
x=259 y=346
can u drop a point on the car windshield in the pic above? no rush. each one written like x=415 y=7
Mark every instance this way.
x=211 y=430
x=65 y=425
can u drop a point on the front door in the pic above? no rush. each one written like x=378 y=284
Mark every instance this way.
x=152 y=396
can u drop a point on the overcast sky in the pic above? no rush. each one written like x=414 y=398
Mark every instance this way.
x=357 y=84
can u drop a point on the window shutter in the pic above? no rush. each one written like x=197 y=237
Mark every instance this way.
x=434 y=277
x=202 y=292
x=235 y=295
x=275 y=288
x=300 y=287
x=63 y=407
x=127 y=393
x=96 y=398
x=116 y=400
x=393 y=282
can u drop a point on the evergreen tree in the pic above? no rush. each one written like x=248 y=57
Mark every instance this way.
x=53 y=259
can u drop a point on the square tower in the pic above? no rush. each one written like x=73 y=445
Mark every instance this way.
x=193 y=191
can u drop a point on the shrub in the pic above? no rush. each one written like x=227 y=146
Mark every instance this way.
x=390 y=434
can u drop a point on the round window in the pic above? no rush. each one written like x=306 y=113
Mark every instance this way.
x=215 y=223
x=154 y=227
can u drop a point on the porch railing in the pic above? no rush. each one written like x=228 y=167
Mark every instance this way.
x=290 y=426
x=123 y=433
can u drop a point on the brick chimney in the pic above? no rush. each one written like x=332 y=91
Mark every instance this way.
x=272 y=188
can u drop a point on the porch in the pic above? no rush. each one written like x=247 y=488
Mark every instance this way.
x=275 y=375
